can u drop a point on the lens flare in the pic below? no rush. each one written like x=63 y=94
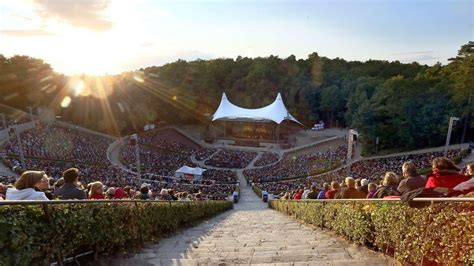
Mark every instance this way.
x=138 y=79
x=66 y=102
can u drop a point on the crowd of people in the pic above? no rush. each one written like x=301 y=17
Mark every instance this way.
x=267 y=158
x=445 y=180
x=66 y=148
x=231 y=159
x=204 y=153
x=293 y=166
x=60 y=143
x=76 y=184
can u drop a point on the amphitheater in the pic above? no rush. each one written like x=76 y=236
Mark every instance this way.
x=250 y=233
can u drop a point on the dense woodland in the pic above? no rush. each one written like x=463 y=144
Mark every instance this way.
x=406 y=105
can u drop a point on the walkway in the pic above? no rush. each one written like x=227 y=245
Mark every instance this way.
x=254 y=234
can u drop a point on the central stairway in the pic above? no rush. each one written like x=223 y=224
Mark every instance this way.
x=254 y=234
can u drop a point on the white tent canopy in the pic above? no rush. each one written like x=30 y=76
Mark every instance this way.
x=186 y=170
x=275 y=111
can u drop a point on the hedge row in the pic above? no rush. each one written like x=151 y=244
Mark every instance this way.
x=442 y=233
x=27 y=235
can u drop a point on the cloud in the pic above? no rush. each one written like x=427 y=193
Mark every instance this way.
x=27 y=33
x=83 y=13
x=415 y=53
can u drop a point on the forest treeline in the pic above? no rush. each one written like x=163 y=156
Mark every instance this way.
x=406 y=106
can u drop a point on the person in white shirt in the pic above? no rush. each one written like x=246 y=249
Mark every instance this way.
x=25 y=187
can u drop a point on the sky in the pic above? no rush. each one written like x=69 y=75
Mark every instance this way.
x=112 y=36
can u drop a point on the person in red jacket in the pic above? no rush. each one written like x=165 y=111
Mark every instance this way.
x=334 y=189
x=298 y=195
x=445 y=174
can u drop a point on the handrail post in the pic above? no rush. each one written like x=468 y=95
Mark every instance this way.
x=57 y=252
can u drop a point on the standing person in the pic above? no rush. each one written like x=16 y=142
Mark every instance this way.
x=25 y=187
x=445 y=174
x=70 y=189
x=412 y=179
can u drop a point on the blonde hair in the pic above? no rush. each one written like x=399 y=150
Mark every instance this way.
x=390 y=178
x=470 y=168
x=443 y=163
x=29 y=179
x=409 y=169
x=350 y=182
x=93 y=188
x=372 y=186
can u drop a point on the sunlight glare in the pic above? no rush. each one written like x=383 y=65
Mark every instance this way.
x=138 y=79
x=66 y=102
x=78 y=88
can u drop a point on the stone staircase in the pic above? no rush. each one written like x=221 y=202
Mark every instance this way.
x=253 y=234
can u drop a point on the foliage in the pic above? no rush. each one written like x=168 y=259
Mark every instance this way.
x=257 y=191
x=27 y=237
x=441 y=233
x=406 y=105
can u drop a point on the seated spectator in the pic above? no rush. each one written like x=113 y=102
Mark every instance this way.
x=70 y=189
x=412 y=179
x=350 y=192
x=25 y=187
x=322 y=193
x=334 y=189
x=144 y=195
x=164 y=195
x=96 y=190
x=314 y=193
x=128 y=191
x=364 y=183
x=286 y=196
x=372 y=188
x=120 y=193
x=3 y=189
x=110 y=194
x=298 y=195
x=389 y=186
x=306 y=191
x=445 y=174
x=469 y=184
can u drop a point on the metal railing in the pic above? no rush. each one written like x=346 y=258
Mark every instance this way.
x=51 y=202
x=378 y=200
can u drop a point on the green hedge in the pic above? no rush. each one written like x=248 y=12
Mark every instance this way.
x=27 y=237
x=442 y=233
x=257 y=190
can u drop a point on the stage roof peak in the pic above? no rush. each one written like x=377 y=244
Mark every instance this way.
x=275 y=111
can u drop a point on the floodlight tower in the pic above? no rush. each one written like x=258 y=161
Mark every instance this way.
x=450 y=130
x=134 y=142
x=20 y=145
x=352 y=137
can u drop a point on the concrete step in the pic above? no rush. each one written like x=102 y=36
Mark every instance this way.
x=278 y=251
x=252 y=261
